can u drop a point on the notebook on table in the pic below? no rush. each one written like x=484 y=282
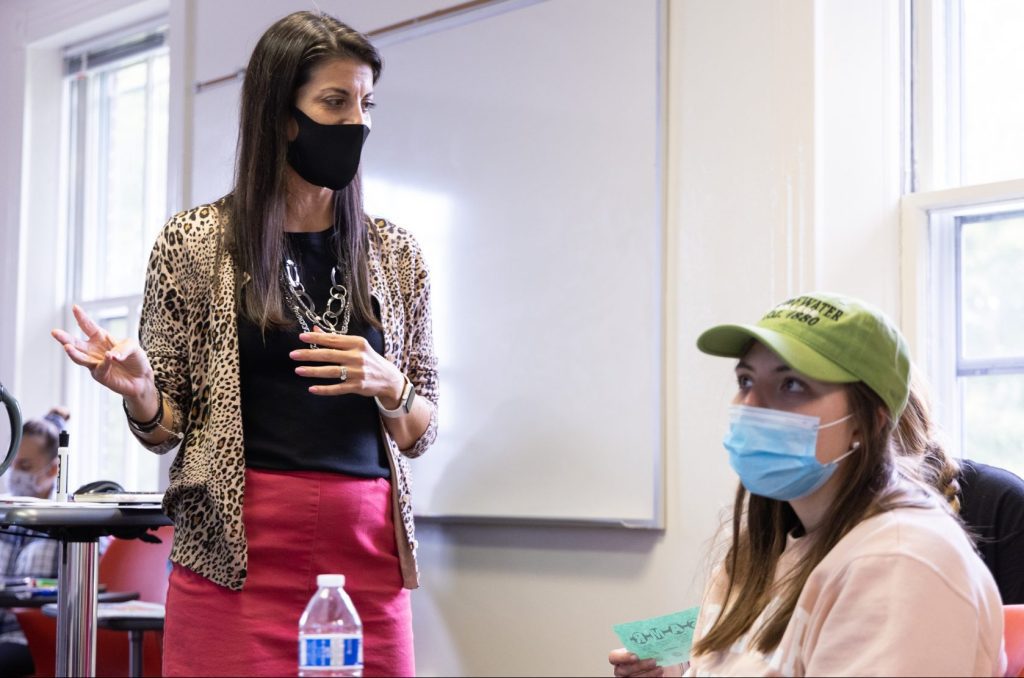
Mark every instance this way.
x=120 y=498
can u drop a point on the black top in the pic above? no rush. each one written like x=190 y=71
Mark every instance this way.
x=992 y=506
x=286 y=427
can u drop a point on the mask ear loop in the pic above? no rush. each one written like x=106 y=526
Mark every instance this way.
x=853 y=448
x=833 y=423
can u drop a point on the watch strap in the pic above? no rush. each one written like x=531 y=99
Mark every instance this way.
x=404 y=402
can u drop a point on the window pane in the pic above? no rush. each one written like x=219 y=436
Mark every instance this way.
x=112 y=433
x=118 y=133
x=992 y=272
x=992 y=68
x=127 y=128
x=104 y=448
x=993 y=423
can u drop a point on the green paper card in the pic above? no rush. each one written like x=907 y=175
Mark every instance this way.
x=666 y=639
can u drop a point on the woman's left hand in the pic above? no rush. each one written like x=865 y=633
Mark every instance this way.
x=365 y=371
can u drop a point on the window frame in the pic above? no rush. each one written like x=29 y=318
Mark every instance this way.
x=933 y=207
x=935 y=43
x=76 y=179
x=930 y=239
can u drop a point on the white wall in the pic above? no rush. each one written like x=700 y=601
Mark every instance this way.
x=859 y=154
x=782 y=174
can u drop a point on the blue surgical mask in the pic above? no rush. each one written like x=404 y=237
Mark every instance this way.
x=772 y=451
x=24 y=484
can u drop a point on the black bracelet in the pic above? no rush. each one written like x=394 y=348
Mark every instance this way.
x=146 y=427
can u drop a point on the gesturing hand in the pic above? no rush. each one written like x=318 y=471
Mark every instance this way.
x=121 y=366
x=365 y=371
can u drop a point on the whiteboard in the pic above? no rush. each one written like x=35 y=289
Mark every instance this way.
x=522 y=146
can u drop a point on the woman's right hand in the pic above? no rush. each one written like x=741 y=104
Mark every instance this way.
x=121 y=366
x=628 y=664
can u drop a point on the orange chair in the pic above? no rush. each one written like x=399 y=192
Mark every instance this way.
x=1013 y=635
x=134 y=565
x=126 y=565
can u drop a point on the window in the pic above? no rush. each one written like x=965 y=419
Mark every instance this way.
x=977 y=334
x=991 y=104
x=116 y=96
x=964 y=221
x=990 y=362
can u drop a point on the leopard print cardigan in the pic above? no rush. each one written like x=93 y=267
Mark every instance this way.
x=189 y=331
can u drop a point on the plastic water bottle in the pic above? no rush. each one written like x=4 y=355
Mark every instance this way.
x=330 y=632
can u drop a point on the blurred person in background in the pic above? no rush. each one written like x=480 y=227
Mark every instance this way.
x=23 y=553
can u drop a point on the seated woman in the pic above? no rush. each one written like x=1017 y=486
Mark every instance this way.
x=992 y=507
x=842 y=560
x=33 y=473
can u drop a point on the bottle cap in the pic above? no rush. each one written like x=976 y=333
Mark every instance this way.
x=330 y=580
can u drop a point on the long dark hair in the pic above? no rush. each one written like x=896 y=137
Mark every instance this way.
x=870 y=485
x=281 y=63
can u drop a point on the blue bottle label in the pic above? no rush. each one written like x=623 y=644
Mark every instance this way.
x=330 y=650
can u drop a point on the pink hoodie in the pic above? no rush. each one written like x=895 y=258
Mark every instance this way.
x=904 y=593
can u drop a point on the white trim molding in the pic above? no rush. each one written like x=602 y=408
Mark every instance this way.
x=916 y=247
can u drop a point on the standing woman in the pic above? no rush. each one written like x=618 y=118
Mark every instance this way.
x=286 y=346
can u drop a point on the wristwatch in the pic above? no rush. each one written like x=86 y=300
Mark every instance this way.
x=404 y=402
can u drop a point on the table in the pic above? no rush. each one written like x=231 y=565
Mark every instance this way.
x=79 y=527
x=11 y=599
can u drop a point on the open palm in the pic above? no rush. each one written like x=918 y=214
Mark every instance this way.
x=120 y=365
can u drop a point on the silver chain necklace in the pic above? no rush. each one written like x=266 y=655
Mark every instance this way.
x=338 y=306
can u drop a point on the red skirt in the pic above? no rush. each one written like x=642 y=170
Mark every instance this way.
x=298 y=524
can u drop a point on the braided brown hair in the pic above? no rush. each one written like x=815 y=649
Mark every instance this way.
x=916 y=436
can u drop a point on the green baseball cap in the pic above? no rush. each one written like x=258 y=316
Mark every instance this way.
x=830 y=338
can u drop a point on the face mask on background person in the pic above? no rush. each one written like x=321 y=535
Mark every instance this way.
x=326 y=155
x=25 y=484
x=773 y=451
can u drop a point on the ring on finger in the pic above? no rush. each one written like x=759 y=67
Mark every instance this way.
x=342 y=373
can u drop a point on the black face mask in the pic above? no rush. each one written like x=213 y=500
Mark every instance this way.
x=326 y=155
